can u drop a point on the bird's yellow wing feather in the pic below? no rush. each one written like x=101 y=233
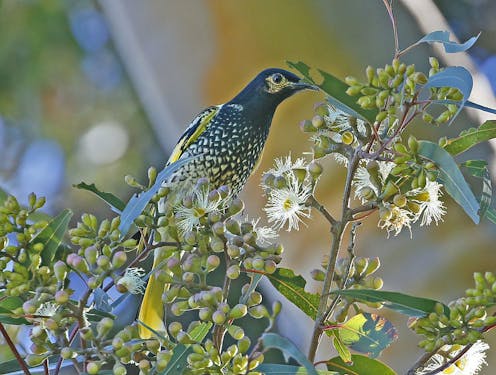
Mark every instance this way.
x=191 y=134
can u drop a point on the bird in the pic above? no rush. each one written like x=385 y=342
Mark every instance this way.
x=225 y=143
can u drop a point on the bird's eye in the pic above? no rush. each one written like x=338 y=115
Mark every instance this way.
x=277 y=78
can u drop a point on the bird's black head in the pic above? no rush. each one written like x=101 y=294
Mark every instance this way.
x=269 y=88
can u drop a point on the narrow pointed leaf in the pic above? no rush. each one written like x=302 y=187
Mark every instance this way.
x=278 y=369
x=471 y=137
x=449 y=46
x=178 y=361
x=402 y=303
x=478 y=168
x=362 y=365
x=10 y=366
x=367 y=333
x=343 y=351
x=137 y=203
x=292 y=287
x=451 y=177
x=51 y=236
x=273 y=340
x=336 y=89
x=491 y=215
x=470 y=104
x=115 y=203
x=453 y=76
x=255 y=279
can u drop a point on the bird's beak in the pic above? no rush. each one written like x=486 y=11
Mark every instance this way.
x=302 y=85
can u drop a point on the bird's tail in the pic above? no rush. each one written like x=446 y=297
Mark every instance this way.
x=152 y=309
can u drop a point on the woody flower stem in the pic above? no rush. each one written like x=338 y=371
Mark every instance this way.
x=337 y=230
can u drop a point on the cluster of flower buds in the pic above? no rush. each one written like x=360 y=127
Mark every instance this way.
x=334 y=131
x=359 y=274
x=19 y=249
x=460 y=323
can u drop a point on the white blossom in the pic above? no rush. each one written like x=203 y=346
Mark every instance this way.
x=287 y=205
x=433 y=208
x=133 y=280
x=469 y=364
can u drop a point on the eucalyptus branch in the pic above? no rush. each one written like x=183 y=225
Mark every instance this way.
x=312 y=202
x=14 y=350
x=337 y=231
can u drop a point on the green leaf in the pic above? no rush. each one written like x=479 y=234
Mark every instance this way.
x=273 y=340
x=449 y=46
x=478 y=168
x=277 y=369
x=9 y=366
x=137 y=203
x=367 y=333
x=3 y=196
x=178 y=361
x=51 y=236
x=343 y=351
x=452 y=76
x=451 y=177
x=95 y=315
x=362 y=365
x=7 y=305
x=471 y=137
x=402 y=303
x=336 y=89
x=113 y=201
x=292 y=287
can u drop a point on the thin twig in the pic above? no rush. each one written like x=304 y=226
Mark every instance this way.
x=45 y=367
x=14 y=350
x=315 y=204
x=389 y=7
x=423 y=360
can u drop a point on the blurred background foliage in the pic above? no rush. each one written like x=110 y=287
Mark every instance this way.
x=91 y=91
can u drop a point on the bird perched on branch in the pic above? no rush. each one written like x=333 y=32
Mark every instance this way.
x=226 y=142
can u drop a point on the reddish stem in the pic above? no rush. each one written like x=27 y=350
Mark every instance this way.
x=14 y=350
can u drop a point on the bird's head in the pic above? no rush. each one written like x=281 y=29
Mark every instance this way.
x=270 y=87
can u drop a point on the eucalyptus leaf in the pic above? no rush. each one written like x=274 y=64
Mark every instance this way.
x=478 y=168
x=471 y=137
x=361 y=365
x=367 y=333
x=449 y=46
x=115 y=203
x=453 y=76
x=402 y=303
x=51 y=236
x=470 y=104
x=273 y=340
x=137 y=203
x=451 y=177
x=278 y=369
x=336 y=89
x=292 y=287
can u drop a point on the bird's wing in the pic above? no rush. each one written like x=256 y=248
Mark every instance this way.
x=191 y=134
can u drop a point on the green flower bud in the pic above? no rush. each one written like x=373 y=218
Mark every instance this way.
x=236 y=206
x=258 y=312
x=92 y=368
x=351 y=81
x=103 y=261
x=270 y=266
x=385 y=213
x=61 y=297
x=60 y=270
x=256 y=359
x=238 y=311
x=306 y=126
x=318 y=121
x=233 y=226
x=218 y=317
x=233 y=272
x=347 y=138
x=370 y=73
x=381 y=116
x=67 y=353
x=237 y=333
x=317 y=275
x=119 y=369
x=119 y=259
x=434 y=62
x=104 y=326
x=90 y=253
x=174 y=328
x=399 y=200
x=353 y=90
